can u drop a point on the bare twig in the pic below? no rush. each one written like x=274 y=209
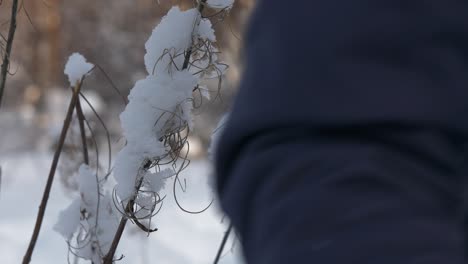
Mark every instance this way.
x=103 y=124
x=223 y=243
x=9 y=45
x=108 y=259
x=53 y=169
x=106 y=76
x=81 y=121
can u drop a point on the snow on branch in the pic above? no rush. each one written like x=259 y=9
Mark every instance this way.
x=76 y=68
x=89 y=223
x=160 y=105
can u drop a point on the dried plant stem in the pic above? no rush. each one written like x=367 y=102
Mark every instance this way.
x=81 y=122
x=53 y=169
x=108 y=259
x=9 y=45
x=118 y=235
x=223 y=244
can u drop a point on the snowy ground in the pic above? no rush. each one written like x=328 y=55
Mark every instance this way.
x=181 y=238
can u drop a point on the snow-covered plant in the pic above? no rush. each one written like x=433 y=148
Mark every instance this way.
x=157 y=119
x=180 y=55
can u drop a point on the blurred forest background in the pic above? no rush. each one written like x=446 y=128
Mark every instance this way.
x=109 y=33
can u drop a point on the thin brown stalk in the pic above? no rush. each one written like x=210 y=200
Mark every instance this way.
x=81 y=122
x=109 y=258
x=9 y=45
x=53 y=169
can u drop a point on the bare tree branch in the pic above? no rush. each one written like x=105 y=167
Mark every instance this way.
x=9 y=45
x=81 y=121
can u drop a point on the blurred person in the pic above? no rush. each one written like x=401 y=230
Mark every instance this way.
x=347 y=140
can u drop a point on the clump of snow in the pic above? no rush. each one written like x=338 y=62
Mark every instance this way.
x=205 y=30
x=91 y=218
x=76 y=68
x=126 y=169
x=68 y=220
x=155 y=99
x=165 y=49
x=102 y=228
x=220 y=4
x=166 y=45
x=89 y=187
x=157 y=180
x=157 y=106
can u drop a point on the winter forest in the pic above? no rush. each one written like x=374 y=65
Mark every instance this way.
x=109 y=116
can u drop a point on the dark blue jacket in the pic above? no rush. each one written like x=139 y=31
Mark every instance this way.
x=347 y=140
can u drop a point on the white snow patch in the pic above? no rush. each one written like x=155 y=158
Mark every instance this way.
x=182 y=238
x=166 y=45
x=89 y=189
x=157 y=180
x=205 y=30
x=76 y=68
x=68 y=220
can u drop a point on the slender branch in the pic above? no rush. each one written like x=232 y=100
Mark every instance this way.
x=9 y=45
x=81 y=121
x=105 y=129
x=223 y=243
x=53 y=169
x=108 y=259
